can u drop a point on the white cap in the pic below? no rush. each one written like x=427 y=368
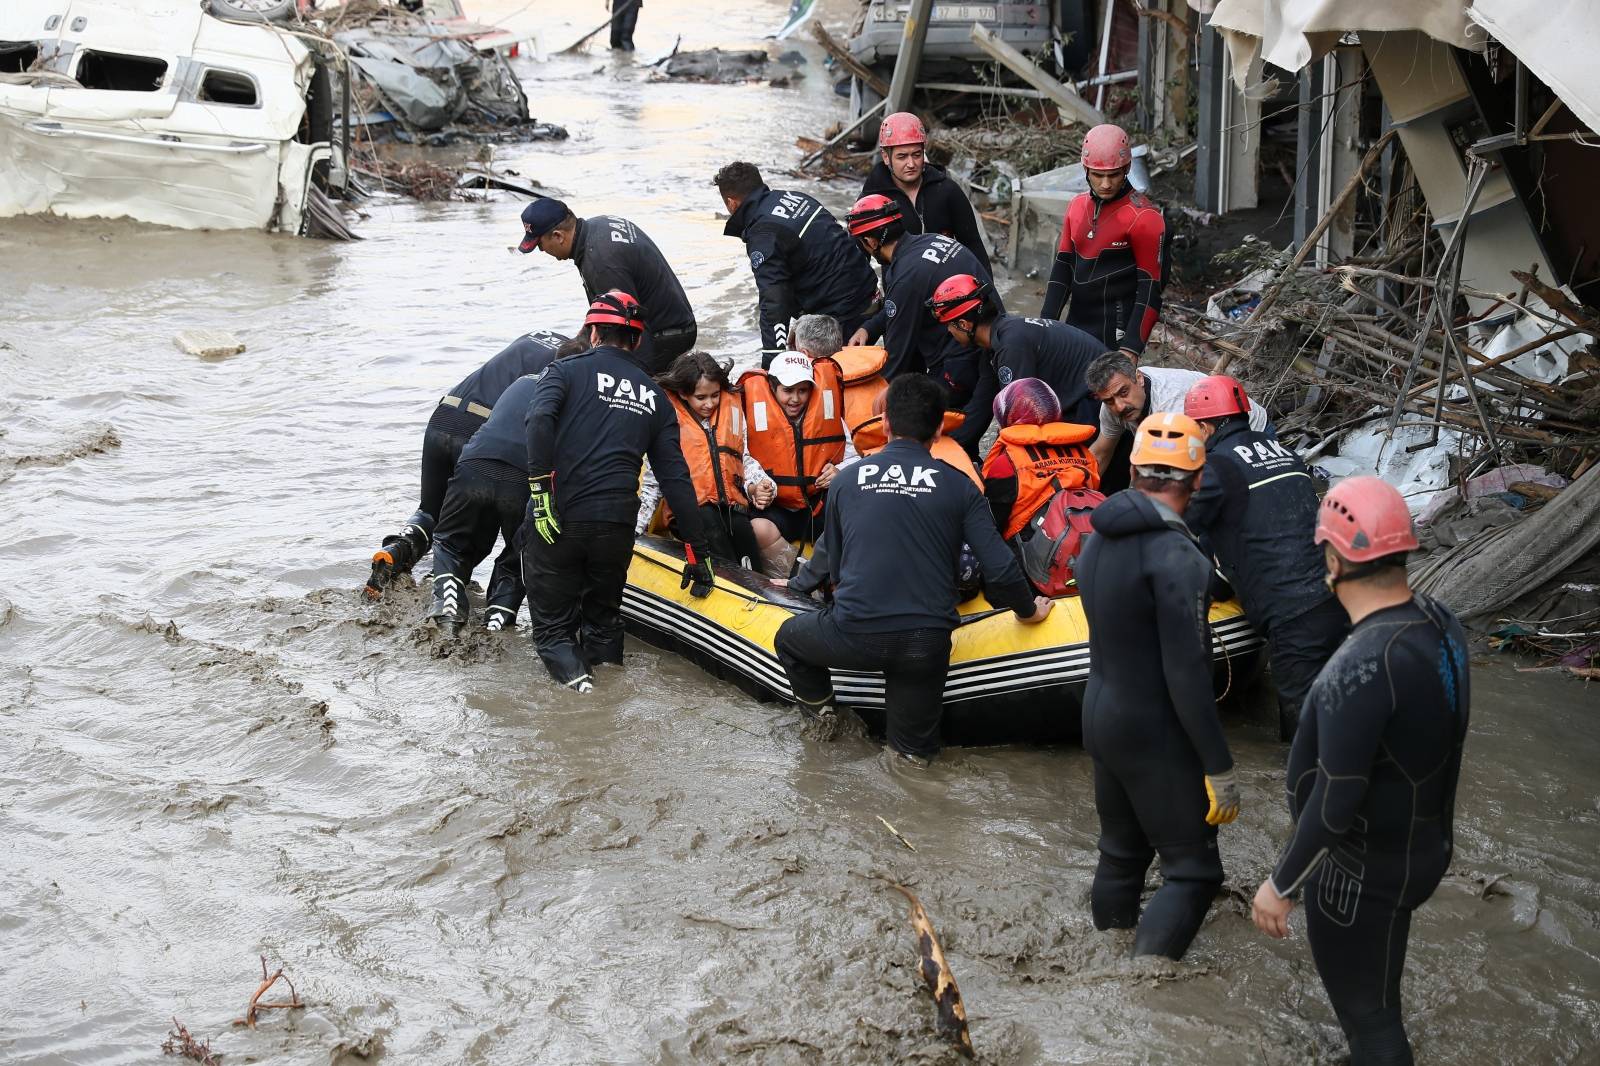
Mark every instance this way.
x=791 y=369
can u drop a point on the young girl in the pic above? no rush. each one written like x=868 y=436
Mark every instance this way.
x=728 y=483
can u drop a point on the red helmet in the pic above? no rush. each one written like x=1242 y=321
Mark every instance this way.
x=1106 y=148
x=1027 y=402
x=871 y=214
x=900 y=128
x=1365 y=518
x=1217 y=396
x=957 y=297
x=615 y=308
x=1054 y=539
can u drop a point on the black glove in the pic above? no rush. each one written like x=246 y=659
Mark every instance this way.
x=696 y=572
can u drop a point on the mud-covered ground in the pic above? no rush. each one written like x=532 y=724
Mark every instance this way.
x=211 y=748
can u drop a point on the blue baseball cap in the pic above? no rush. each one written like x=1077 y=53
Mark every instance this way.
x=539 y=218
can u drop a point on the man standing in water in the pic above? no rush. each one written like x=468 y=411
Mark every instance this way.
x=594 y=418
x=897 y=521
x=1112 y=262
x=1373 y=771
x=929 y=201
x=1163 y=775
x=613 y=253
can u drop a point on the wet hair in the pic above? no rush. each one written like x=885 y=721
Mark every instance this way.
x=914 y=406
x=686 y=371
x=618 y=336
x=1105 y=367
x=818 y=336
x=577 y=344
x=1027 y=402
x=1150 y=483
x=737 y=181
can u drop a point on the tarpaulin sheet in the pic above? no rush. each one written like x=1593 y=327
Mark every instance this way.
x=1558 y=44
x=1291 y=33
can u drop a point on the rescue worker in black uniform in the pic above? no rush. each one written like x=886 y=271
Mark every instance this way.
x=897 y=520
x=595 y=416
x=914 y=265
x=929 y=201
x=1253 y=512
x=1373 y=772
x=1163 y=774
x=486 y=496
x=1054 y=352
x=459 y=415
x=624 y=17
x=613 y=253
x=803 y=260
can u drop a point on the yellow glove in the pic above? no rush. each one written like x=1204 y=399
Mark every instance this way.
x=1223 y=792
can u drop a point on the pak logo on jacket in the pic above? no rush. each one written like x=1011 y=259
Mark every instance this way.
x=624 y=396
x=895 y=480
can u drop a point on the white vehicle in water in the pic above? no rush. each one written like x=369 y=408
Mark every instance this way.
x=157 y=111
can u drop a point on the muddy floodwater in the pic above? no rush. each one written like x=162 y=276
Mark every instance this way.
x=212 y=748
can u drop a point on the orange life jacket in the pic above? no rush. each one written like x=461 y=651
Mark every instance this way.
x=793 y=456
x=861 y=376
x=869 y=437
x=715 y=453
x=1047 y=459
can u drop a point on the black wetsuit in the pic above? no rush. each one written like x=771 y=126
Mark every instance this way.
x=1256 y=509
x=613 y=253
x=624 y=17
x=916 y=341
x=941 y=207
x=1150 y=721
x=1054 y=352
x=1372 y=788
x=595 y=416
x=804 y=264
x=465 y=407
x=1110 y=267
x=487 y=495
x=892 y=546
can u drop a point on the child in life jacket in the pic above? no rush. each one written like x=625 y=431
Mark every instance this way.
x=728 y=483
x=1041 y=483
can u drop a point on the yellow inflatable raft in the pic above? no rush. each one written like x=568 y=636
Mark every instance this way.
x=1008 y=683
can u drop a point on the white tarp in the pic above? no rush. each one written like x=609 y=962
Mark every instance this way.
x=1291 y=33
x=1557 y=43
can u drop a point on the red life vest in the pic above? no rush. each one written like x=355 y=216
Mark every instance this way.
x=1047 y=459
x=715 y=453
x=794 y=455
x=869 y=437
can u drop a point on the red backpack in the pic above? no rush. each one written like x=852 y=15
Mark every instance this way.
x=1054 y=538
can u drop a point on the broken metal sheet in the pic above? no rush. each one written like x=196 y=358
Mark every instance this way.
x=1557 y=45
x=420 y=100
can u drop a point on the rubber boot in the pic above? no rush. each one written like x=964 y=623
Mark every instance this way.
x=449 y=612
x=777 y=561
x=400 y=552
x=504 y=597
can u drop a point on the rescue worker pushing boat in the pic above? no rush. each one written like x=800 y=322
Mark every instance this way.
x=1163 y=774
x=893 y=541
x=453 y=422
x=1373 y=772
x=595 y=416
x=1111 y=264
x=803 y=261
x=1255 y=513
x=612 y=253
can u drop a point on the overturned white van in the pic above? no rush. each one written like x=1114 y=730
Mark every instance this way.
x=155 y=110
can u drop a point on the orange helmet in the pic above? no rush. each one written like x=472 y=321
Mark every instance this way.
x=900 y=128
x=615 y=308
x=1365 y=518
x=1168 y=440
x=1217 y=396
